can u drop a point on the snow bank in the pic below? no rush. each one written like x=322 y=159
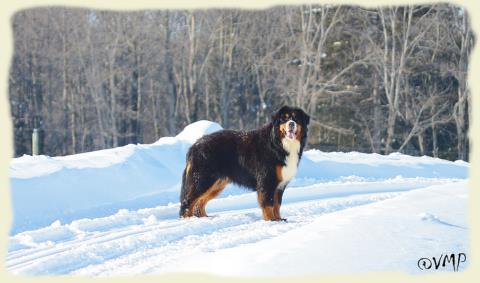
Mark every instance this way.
x=45 y=189
x=96 y=184
x=334 y=165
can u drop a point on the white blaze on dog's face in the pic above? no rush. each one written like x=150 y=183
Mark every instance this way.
x=291 y=140
x=289 y=125
x=291 y=129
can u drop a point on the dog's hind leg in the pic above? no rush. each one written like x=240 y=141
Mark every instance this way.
x=198 y=187
x=194 y=184
x=185 y=193
x=208 y=195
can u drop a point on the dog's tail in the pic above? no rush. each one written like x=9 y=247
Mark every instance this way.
x=184 y=193
x=183 y=200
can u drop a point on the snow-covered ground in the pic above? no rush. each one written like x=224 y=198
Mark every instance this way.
x=115 y=212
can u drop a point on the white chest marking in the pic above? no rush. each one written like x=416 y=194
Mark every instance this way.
x=292 y=146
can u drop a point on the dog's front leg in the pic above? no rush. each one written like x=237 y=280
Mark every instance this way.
x=265 y=201
x=277 y=202
x=270 y=201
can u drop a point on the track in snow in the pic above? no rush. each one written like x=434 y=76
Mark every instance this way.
x=152 y=240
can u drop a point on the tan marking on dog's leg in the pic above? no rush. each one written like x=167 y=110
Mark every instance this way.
x=199 y=207
x=268 y=214
x=209 y=194
x=267 y=211
x=189 y=211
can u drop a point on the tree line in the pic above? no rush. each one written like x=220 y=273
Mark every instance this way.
x=378 y=80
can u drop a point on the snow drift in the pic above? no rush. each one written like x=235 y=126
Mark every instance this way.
x=94 y=184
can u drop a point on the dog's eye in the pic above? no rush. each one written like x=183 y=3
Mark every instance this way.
x=296 y=117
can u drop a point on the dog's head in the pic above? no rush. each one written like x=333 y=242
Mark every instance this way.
x=291 y=123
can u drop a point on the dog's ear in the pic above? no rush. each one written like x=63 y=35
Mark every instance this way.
x=306 y=117
x=276 y=115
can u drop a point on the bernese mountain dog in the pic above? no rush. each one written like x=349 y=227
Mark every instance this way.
x=263 y=160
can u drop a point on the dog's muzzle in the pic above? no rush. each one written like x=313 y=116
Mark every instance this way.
x=291 y=129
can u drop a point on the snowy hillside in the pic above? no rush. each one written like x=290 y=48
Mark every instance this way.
x=115 y=212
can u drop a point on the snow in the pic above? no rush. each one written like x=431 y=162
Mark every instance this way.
x=99 y=183
x=29 y=166
x=115 y=212
x=194 y=131
x=384 y=235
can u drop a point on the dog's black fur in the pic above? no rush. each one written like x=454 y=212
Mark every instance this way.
x=252 y=159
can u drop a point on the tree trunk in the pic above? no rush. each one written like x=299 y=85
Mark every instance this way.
x=156 y=128
x=434 y=134
x=171 y=85
x=138 y=122
x=134 y=99
x=225 y=73
x=113 y=106
x=377 y=119
x=460 y=116
x=421 y=143
x=207 y=97
x=392 y=116
x=65 y=95
x=192 y=71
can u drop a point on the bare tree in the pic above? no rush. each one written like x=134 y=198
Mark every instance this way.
x=375 y=80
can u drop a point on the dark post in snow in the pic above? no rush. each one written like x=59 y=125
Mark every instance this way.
x=35 y=142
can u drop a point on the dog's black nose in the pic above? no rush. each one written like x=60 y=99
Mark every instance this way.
x=291 y=125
